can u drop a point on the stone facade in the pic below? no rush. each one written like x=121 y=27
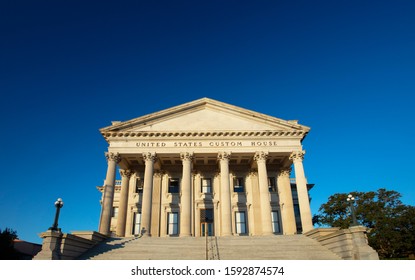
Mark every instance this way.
x=205 y=167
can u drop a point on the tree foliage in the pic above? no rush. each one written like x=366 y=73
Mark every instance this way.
x=7 y=251
x=391 y=223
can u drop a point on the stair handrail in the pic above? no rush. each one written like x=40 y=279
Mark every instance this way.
x=217 y=247
x=213 y=248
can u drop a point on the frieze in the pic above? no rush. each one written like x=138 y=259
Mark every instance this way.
x=205 y=144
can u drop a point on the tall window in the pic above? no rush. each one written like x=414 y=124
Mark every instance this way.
x=272 y=185
x=206 y=185
x=173 y=223
x=115 y=212
x=294 y=192
x=206 y=215
x=137 y=223
x=174 y=184
x=238 y=185
x=206 y=222
x=240 y=222
x=139 y=186
x=275 y=219
x=298 y=218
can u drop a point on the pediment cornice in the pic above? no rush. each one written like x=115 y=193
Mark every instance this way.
x=214 y=118
x=205 y=134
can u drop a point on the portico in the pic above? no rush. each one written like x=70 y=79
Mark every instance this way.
x=205 y=164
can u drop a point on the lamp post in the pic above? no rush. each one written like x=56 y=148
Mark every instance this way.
x=58 y=205
x=350 y=199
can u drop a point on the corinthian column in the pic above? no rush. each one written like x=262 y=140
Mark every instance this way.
x=149 y=159
x=225 y=194
x=122 y=210
x=261 y=158
x=105 y=222
x=286 y=202
x=301 y=182
x=185 y=200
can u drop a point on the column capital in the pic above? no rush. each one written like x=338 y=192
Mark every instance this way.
x=253 y=172
x=159 y=173
x=284 y=172
x=126 y=173
x=297 y=156
x=113 y=157
x=186 y=156
x=224 y=155
x=150 y=156
x=261 y=155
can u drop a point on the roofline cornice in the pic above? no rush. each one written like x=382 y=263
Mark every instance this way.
x=204 y=134
x=200 y=103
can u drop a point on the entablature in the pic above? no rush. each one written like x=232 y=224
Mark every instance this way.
x=140 y=135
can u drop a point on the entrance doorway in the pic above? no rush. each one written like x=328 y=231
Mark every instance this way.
x=206 y=222
x=137 y=224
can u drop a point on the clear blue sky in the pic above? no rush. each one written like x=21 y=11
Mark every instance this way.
x=68 y=68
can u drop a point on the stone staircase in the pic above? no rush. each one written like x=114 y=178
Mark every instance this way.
x=288 y=247
x=280 y=247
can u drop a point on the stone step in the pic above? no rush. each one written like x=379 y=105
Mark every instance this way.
x=292 y=247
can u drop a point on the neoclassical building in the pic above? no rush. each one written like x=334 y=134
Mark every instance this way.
x=205 y=167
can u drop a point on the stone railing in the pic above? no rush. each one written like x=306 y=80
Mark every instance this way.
x=348 y=244
x=61 y=246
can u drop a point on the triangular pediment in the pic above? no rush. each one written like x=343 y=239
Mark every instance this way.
x=204 y=115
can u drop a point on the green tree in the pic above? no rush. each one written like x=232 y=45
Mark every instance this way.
x=391 y=223
x=7 y=251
